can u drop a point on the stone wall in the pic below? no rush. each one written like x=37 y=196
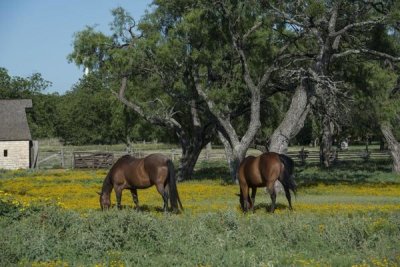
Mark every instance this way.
x=14 y=155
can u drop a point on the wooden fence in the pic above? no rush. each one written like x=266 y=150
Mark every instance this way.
x=305 y=156
x=96 y=160
x=100 y=159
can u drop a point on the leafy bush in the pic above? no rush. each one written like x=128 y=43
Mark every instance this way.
x=127 y=237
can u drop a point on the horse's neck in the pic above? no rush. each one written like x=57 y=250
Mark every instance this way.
x=107 y=185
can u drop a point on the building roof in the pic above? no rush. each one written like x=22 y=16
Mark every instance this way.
x=13 y=122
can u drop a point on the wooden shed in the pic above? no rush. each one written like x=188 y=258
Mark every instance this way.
x=15 y=136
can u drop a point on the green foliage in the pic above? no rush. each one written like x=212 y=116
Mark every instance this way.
x=315 y=9
x=90 y=48
x=374 y=86
x=43 y=118
x=180 y=36
x=132 y=238
x=18 y=87
x=90 y=114
x=86 y=113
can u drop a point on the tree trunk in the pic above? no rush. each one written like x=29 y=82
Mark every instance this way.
x=326 y=141
x=190 y=154
x=393 y=145
x=292 y=123
x=232 y=157
x=192 y=142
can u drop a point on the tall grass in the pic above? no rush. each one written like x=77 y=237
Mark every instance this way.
x=339 y=220
x=48 y=234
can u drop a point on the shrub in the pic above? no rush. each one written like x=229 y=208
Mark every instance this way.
x=51 y=234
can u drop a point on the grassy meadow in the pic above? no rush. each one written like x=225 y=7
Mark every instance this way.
x=345 y=216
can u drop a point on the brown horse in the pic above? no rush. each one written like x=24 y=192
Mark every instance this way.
x=264 y=171
x=139 y=173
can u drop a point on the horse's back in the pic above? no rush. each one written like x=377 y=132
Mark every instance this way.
x=155 y=160
x=270 y=166
x=130 y=172
x=260 y=171
x=249 y=171
x=156 y=166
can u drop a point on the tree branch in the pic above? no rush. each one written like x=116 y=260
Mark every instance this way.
x=223 y=121
x=366 y=51
x=333 y=19
x=255 y=27
x=166 y=120
x=287 y=17
x=353 y=25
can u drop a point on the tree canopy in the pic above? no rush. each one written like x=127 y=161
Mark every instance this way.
x=234 y=72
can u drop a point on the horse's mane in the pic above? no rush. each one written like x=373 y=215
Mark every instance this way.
x=127 y=156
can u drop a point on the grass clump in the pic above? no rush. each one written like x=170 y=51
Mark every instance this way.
x=130 y=238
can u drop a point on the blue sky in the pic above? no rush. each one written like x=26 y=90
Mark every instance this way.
x=37 y=35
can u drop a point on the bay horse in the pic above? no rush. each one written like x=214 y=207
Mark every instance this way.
x=264 y=171
x=140 y=173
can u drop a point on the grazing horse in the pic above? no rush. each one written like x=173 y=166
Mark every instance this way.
x=264 y=171
x=139 y=173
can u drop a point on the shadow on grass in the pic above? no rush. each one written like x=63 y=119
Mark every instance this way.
x=267 y=207
x=145 y=209
x=350 y=172
x=212 y=171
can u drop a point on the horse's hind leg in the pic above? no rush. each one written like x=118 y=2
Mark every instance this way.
x=272 y=193
x=273 y=201
x=164 y=194
x=135 y=197
x=253 y=197
x=289 y=197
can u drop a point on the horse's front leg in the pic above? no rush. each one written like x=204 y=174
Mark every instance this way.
x=118 y=193
x=135 y=197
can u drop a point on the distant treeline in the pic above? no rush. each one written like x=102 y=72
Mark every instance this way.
x=87 y=114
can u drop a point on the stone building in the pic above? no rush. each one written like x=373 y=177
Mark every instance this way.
x=15 y=136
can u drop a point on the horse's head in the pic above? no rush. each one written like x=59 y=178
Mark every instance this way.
x=105 y=202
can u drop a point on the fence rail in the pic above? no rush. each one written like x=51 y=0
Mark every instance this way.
x=93 y=160
x=63 y=158
x=305 y=156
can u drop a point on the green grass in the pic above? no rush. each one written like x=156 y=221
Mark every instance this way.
x=355 y=172
x=48 y=234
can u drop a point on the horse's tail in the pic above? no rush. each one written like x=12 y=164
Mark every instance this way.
x=173 y=190
x=288 y=177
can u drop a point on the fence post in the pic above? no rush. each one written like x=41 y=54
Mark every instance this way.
x=208 y=151
x=62 y=158
x=35 y=162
